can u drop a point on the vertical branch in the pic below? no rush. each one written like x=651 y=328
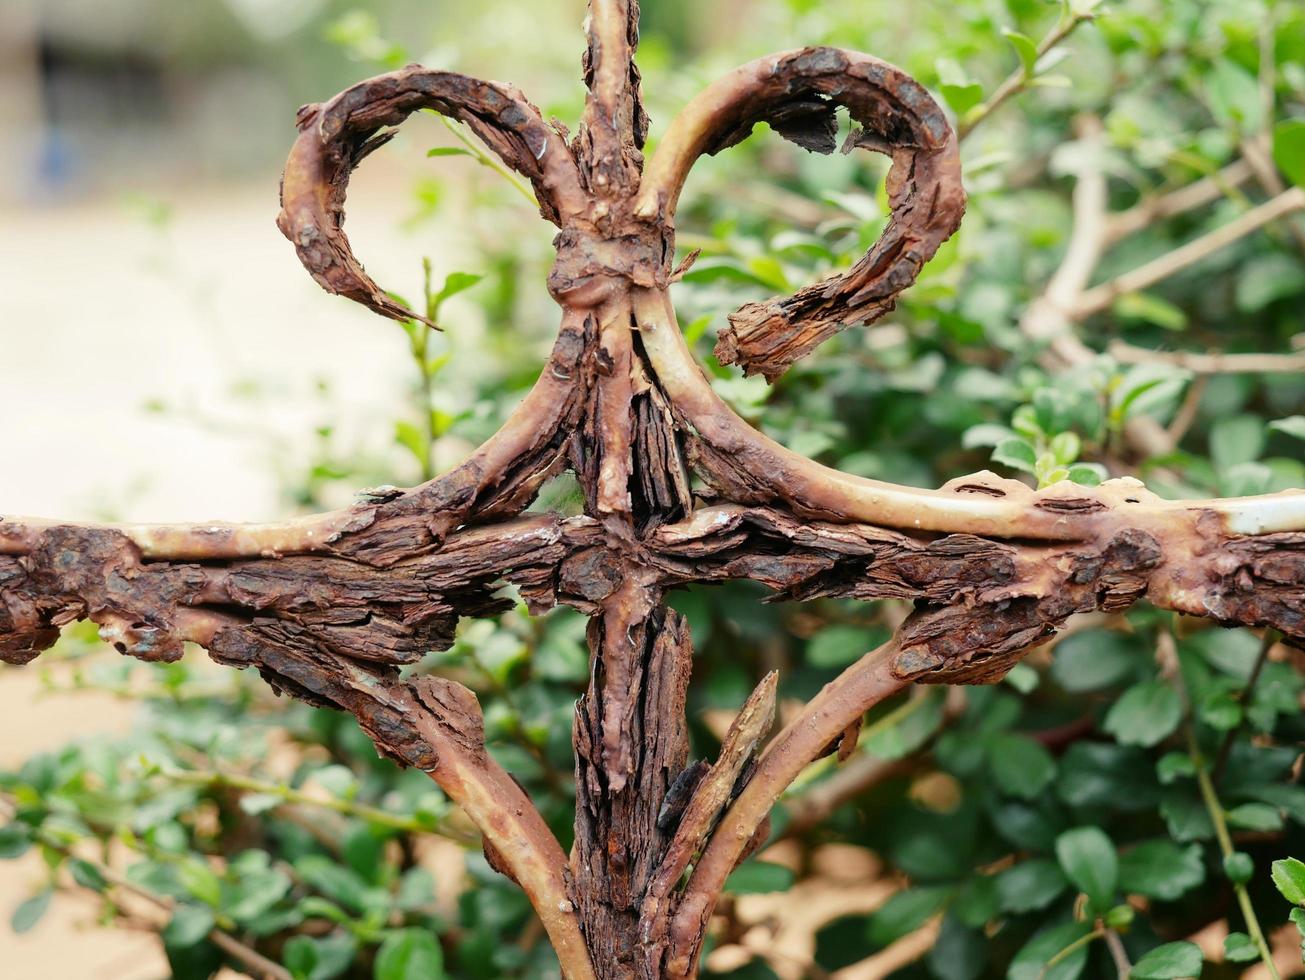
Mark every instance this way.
x=631 y=741
x=615 y=124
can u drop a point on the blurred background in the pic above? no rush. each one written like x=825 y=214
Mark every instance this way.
x=164 y=357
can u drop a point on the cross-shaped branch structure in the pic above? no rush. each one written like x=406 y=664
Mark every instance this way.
x=678 y=490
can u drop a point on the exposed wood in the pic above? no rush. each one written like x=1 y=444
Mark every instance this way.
x=329 y=608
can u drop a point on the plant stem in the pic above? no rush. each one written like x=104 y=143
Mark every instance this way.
x=420 y=353
x=1078 y=943
x=290 y=795
x=485 y=160
x=1215 y=809
x=1271 y=636
x=1117 y=952
x=1018 y=80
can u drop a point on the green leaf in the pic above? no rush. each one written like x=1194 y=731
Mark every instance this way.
x=363 y=851
x=1289 y=149
x=1029 y=885
x=769 y=271
x=985 y=434
x=958 y=952
x=1089 y=861
x=1026 y=48
x=1172 y=961
x=759 y=878
x=1018 y=454
x=332 y=880
x=456 y=282
x=1186 y=817
x=1174 y=766
x=840 y=645
x=1161 y=869
x=256 y=803
x=189 y=924
x=1255 y=816
x=411 y=438
x=1289 y=876
x=1234 y=95
x=1265 y=279
x=254 y=893
x=1149 y=308
x=319 y=959
x=14 y=840
x=1145 y=714
x=1239 y=948
x=200 y=880
x=410 y=954
x=1220 y=710
x=1092 y=659
x=1087 y=474
x=960 y=91
x=1297 y=917
x=87 y=875
x=29 y=913
x=1021 y=766
x=449 y=151
x=905 y=912
x=300 y=957
x=1030 y=963
x=1293 y=425
x=1236 y=439
x=1065 y=447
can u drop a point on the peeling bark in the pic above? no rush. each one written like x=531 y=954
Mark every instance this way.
x=329 y=608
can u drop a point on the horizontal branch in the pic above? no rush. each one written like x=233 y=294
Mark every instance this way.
x=1213 y=362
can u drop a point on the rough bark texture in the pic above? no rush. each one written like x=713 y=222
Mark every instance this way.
x=328 y=608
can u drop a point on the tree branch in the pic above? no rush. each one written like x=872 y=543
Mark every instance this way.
x=1100 y=297
x=1186 y=198
x=1213 y=362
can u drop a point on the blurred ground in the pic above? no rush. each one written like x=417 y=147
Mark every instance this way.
x=122 y=312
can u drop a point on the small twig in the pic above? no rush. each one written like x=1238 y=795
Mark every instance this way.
x=296 y=797
x=1117 y=952
x=1215 y=810
x=1216 y=813
x=1100 y=298
x=1187 y=412
x=1209 y=363
x=1073 y=947
x=420 y=354
x=485 y=160
x=1020 y=79
x=1271 y=637
x=1187 y=198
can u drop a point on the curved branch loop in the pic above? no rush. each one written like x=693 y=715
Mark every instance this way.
x=335 y=137
x=798 y=93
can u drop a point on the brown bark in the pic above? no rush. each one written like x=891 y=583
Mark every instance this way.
x=328 y=608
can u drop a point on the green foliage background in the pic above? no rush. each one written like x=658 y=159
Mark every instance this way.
x=1127 y=790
